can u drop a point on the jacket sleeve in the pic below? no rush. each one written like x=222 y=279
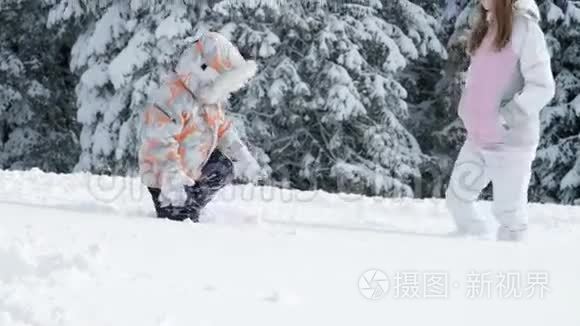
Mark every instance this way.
x=159 y=144
x=539 y=86
x=232 y=146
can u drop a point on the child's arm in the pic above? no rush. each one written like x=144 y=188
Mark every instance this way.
x=231 y=145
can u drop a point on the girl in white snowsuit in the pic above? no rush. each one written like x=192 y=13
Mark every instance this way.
x=508 y=82
x=189 y=149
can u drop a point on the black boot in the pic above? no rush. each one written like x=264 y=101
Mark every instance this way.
x=174 y=213
x=216 y=174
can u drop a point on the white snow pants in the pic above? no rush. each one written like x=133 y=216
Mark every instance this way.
x=508 y=169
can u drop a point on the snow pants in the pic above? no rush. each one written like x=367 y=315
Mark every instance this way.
x=509 y=171
x=216 y=174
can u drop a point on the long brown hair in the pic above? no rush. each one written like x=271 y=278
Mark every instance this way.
x=504 y=19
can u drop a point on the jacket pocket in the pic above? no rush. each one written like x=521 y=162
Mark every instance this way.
x=503 y=122
x=505 y=114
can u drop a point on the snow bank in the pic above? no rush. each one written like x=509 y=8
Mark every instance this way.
x=84 y=250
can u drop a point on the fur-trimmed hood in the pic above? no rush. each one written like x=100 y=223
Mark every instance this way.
x=215 y=68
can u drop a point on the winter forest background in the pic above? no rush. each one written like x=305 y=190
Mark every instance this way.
x=352 y=95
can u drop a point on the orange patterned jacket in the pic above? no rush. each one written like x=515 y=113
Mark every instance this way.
x=185 y=119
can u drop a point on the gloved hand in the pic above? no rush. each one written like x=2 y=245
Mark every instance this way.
x=248 y=169
x=173 y=189
x=252 y=171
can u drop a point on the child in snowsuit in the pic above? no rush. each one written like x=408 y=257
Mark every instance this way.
x=508 y=82
x=189 y=150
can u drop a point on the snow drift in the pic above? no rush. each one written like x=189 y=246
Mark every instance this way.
x=85 y=250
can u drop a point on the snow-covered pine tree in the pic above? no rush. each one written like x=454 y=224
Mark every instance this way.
x=434 y=121
x=328 y=108
x=432 y=7
x=274 y=106
x=327 y=104
x=37 y=127
x=254 y=27
x=557 y=170
x=125 y=50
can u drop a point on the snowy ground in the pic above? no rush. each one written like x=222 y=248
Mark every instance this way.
x=80 y=250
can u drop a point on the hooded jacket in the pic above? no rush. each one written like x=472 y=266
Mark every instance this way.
x=505 y=90
x=185 y=119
